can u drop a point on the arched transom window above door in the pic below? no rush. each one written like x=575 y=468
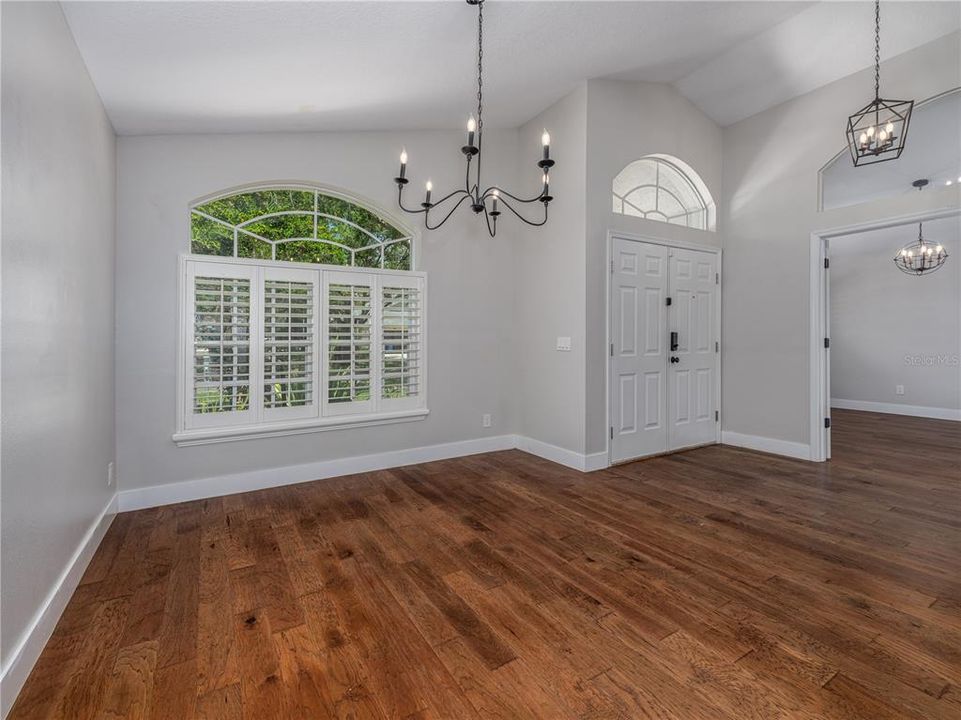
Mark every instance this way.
x=665 y=189
x=297 y=224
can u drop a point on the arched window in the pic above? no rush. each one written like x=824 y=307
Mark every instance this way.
x=663 y=188
x=297 y=224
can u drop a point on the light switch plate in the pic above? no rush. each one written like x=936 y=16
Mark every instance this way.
x=564 y=344
x=899 y=389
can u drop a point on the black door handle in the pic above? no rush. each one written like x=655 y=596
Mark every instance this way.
x=673 y=341
x=675 y=360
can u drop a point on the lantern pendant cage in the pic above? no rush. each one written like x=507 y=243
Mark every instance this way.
x=922 y=256
x=877 y=132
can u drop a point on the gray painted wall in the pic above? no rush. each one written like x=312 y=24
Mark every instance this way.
x=58 y=185
x=470 y=290
x=890 y=329
x=771 y=162
x=626 y=121
x=549 y=283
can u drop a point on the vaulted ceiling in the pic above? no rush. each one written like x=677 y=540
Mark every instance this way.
x=176 y=67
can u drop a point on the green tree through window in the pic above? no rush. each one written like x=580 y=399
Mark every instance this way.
x=297 y=225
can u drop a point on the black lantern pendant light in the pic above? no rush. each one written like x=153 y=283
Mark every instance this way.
x=920 y=257
x=877 y=131
x=487 y=201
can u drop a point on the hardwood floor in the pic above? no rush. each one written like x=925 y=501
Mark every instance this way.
x=717 y=583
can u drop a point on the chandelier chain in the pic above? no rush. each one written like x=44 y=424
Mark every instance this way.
x=480 y=66
x=877 y=49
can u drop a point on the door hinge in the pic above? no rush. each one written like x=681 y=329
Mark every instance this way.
x=612 y=433
x=717 y=346
x=717 y=278
x=612 y=267
x=827 y=422
x=827 y=263
x=668 y=301
x=612 y=349
x=827 y=342
x=717 y=416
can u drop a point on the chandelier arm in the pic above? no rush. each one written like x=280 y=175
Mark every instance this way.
x=524 y=219
x=447 y=216
x=503 y=193
x=433 y=204
x=492 y=231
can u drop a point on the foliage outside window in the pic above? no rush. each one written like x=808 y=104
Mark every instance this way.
x=664 y=189
x=301 y=225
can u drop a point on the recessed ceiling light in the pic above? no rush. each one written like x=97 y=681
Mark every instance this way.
x=947 y=182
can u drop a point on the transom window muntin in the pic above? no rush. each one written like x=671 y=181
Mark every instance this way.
x=664 y=189
x=292 y=223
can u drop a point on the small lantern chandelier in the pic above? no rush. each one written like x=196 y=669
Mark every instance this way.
x=472 y=185
x=920 y=257
x=877 y=131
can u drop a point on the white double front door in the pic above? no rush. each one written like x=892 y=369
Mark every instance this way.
x=664 y=349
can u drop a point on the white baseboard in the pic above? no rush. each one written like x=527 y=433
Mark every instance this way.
x=562 y=456
x=788 y=448
x=139 y=498
x=38 y=632
x=897 y=409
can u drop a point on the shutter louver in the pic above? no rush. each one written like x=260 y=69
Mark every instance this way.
x=349 y=319
x=288 y=327
x=221 y=345
x=400 y=342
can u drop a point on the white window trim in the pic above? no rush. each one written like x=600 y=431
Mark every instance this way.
x=186 y=435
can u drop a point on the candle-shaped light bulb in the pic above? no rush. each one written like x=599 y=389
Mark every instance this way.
x=429 y=186
x=939 y=248
x=546 y=142
x=863 y=139
x=471 y=127
x=403 y=163
x=871 y=131
x=910 y=253
x=495 y=194
x=882 y=136
x=889 y=128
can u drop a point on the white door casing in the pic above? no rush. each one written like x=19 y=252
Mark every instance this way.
x=638 y=349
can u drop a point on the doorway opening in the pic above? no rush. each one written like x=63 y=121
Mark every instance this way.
x=664 y=360
x=884 y=342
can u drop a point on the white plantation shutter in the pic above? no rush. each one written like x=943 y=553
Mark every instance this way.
x=220 y=355
x=269 y=348
x=349 y=333
x=401 y=343
x=289 y=341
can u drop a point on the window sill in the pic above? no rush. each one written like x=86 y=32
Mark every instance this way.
x=208 y=436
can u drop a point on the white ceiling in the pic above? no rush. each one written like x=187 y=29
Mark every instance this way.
x=178 y=67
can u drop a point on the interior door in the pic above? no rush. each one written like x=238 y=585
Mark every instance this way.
x=692 y=373
x=639 y=276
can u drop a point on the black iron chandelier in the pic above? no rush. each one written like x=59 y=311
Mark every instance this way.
x=920 y=257
x=877 y=131
x=472 y=191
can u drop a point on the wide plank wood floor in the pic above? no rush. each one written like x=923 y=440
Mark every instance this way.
x=717 y=583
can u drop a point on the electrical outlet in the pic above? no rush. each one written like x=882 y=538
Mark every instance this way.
x=110 y=474
x=564 y=344
x=486 y=420
x=899 y=389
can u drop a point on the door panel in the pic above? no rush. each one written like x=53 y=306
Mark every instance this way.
x=639 y=352
x=693 y=378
